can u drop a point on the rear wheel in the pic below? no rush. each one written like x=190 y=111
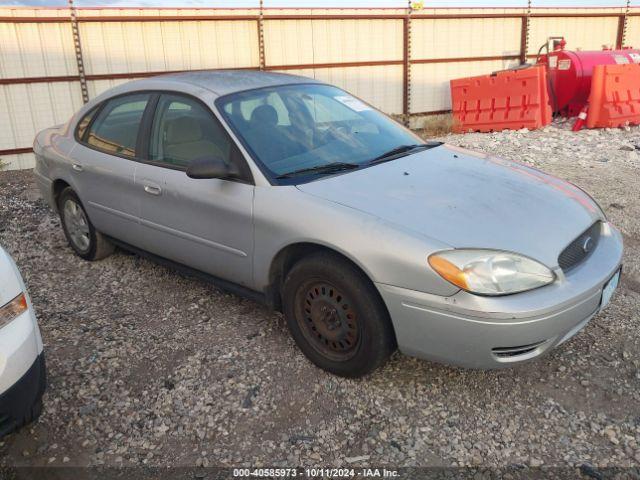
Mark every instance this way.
x=85 y=240
x=336 y=316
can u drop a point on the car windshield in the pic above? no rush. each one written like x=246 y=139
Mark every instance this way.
x=307 y=130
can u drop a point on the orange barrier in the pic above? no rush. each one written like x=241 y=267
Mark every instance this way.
x=614 y=100
x=511 y=100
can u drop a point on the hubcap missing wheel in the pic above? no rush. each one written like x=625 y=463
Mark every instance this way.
x=329 y=321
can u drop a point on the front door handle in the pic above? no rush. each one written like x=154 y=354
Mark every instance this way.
x=152 y=189
x=77 y=167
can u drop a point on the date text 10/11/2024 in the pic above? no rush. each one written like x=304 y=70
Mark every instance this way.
x=315 y=472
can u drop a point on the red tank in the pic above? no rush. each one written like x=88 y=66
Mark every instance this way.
x=569 y=74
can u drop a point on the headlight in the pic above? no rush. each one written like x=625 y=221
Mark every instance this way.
x=490 y=272
x=12 y=309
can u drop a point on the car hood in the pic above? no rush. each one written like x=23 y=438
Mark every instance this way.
x=468 y=199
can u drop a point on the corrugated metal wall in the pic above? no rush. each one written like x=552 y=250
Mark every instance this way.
x=466 y=37
x=34 y=50
x=165 y=46
x=313 y=42
x=633 y=32
x=360 y=50
x=462 y=39
x=379 y=85
x=584 y=33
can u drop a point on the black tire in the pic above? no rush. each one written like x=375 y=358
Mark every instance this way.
x=32 y=414
x=336 y=316
x=94 y=245
x=22 y=402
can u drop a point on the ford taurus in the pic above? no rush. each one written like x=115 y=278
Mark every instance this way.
x=365 y=236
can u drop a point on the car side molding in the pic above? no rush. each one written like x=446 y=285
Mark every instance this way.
x=225 y=285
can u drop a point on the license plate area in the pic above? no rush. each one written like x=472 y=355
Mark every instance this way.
x=609 y=289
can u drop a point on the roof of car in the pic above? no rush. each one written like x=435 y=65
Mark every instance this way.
x=219 y=82
x=223 y=82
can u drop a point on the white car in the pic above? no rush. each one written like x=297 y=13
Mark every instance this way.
x=22 y=366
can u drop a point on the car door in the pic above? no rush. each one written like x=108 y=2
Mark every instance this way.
x=104 y=165
x=205 y=224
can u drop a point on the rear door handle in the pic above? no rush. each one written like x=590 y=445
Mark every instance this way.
x=77 y=167
x=152 y=189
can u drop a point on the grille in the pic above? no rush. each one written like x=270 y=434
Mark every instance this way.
x=507 y=352
x=576 y=252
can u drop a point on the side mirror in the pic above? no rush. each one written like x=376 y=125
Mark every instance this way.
x=212 y=167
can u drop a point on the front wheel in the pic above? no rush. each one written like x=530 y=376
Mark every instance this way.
x=336 y=316
x=85 y=240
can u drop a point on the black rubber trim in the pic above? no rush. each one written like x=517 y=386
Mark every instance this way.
x=17 y=403
x=143 y=140
x=220 y=283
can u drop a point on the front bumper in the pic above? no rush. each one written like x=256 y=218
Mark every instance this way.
x=491 y=332
x=21 y=403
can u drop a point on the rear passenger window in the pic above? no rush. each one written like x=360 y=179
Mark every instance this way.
x=183 y=131
x=84 y=123
x=115 y=129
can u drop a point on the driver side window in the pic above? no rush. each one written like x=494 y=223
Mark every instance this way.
x=184 y=130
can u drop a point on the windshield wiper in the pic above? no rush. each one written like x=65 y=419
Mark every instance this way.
x=327 y=168
x=391 y=154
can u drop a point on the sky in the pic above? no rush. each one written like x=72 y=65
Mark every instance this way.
x=319 y=3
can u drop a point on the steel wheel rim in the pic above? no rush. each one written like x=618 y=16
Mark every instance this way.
x=328 y=320
x=77 y=225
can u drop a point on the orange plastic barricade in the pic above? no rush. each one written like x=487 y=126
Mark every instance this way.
x=614 y=100
x=512 y=99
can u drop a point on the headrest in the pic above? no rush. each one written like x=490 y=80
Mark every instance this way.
x=265 y=115
x=183 y=129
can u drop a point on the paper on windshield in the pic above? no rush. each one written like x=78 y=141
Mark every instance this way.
x=353 y=103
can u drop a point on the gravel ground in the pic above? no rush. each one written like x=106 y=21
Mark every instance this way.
x=149 y=367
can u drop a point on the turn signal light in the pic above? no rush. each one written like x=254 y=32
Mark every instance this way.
x=448 y=271
x=12 y=309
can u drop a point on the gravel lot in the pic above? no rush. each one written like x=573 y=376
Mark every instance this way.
x=149 y=367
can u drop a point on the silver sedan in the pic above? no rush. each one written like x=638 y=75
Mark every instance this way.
x=368 y=238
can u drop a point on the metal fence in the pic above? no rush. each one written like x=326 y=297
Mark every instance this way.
x=54 y=59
